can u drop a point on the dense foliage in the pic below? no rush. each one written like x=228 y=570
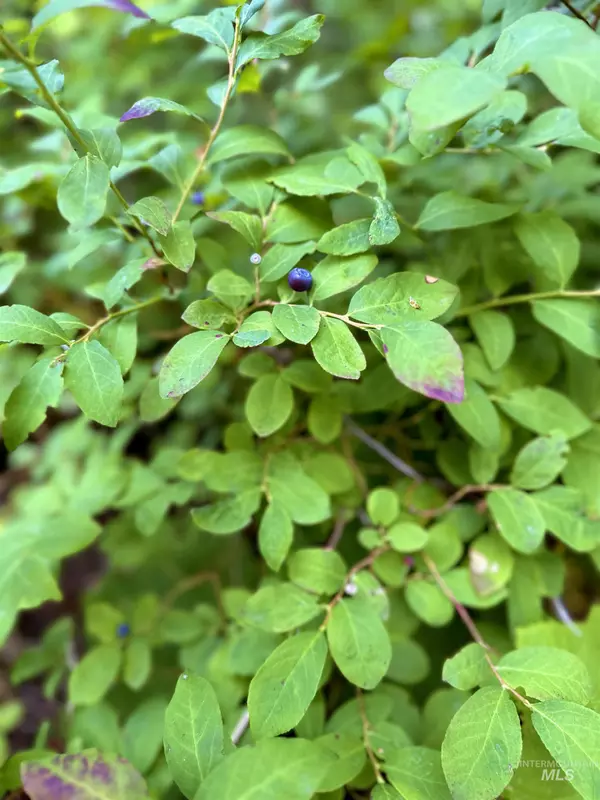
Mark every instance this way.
x=300 y=356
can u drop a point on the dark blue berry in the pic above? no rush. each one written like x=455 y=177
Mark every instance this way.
x=300 y=280
x=198 y=198
x=123 y=630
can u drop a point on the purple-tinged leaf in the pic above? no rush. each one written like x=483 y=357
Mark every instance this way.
x=56 y=7
x=424 y=356
x=83 y=776
x=150 y=105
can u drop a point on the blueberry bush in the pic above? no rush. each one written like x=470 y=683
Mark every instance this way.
x=300 y=399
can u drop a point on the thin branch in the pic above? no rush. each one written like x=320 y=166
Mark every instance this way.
x=454 y=499
x=338 y=529
x=192 y=582
x=123 y=312
x=525 y=298
x=366 y=726
x=241 y=727
x=231 y=78
x=577 y=13
x=362 y=564
x=383 y=451
x=472 y=628
x=66 y=120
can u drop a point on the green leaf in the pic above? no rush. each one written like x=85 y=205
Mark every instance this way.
x=450 y=210
x=286 y=684
x=287 y=43
x=317 y=570
x=103 y=143
x=153 y=212
x=359 y=642
x=28 y=326
x=429 y=603
x=336 y=350
x=120 y=339
x=189 y=362
x=250 y=336
x=87 y=776
x=369 y=166
x=228 y=516
x=248 y=225
x=206 y=314
x=407 y=537
x=231 y=289
x=336 y=274
x=324 y=416
x=572 y=735
x=477 y=415
x=245 y=139
x=269 y=404
x=517 y=518
x=28 y=548
x=562 y=510
x=350 y=756
x=576 y=321
x=424 y=356
x=143 y=733
x=490 y=723
x=545 y=412
x=346 y=239
x=384 y=228
x=281 y=607
x=280 y=258
x=11 y=265
x=406 y=72
x=449 y=94
x=302 y=497
x=383 y=506
x=150 y=105
x=179 y=245
x=137 y=664
x=247 y=182
x=272 y=770
x=193 y=733
x=547 y=673
x=316 y=175
x=491 y=563
x=25 y=409
x=215 y=28
x=416 y=772
x=94 y=379
x=93 y=676
x=540 y=462
x=552 y=244
x=496 y=336
x=275 y=535
x=53 y=8
x=467 y=669
x=82 y=194
x=387 y=300
x=297 y=323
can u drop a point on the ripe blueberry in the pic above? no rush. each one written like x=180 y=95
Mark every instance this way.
x=123 y=630
x=198 y=198
x=300 y=280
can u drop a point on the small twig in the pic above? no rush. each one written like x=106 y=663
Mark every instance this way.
x=231 y=78
x=577 y=13
x=526 y=298
x=472 y=628
x=338 y=530
x=382 y=450
x=192 y=582
x=362 y=564
x=241 y=727
x=429 y=513
x=366 y=726
x=562 y=613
